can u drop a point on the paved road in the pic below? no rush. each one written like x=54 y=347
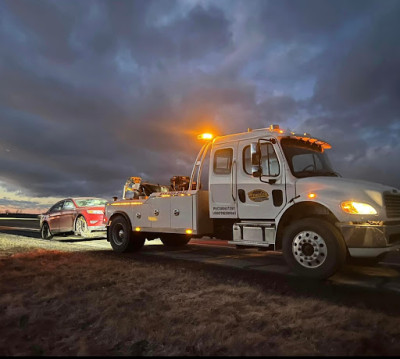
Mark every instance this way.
x=25 y=226
x=384 y=276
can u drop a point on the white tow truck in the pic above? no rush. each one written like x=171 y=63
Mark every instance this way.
x=267 y=188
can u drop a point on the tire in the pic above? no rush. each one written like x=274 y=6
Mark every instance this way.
x=81 y=227
x=45 y=231
x=314 y=248
x=368 y=261
x=175 y=240
x=121 y=237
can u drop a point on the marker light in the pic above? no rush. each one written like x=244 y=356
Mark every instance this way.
x=205 y=136
x=357 y=208
x=125 y=203
x=137 y=229
x=312 y=195
x=189 y=231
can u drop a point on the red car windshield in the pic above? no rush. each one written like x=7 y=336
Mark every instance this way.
x=90 y=202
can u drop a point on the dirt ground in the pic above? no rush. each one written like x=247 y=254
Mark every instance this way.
x=56 y=300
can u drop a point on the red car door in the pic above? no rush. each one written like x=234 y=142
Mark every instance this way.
x=54 y=217
x=67 y=217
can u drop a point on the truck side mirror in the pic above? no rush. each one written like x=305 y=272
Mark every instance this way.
x=255 y=159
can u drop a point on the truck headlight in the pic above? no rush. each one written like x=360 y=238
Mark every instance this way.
x=357 y=208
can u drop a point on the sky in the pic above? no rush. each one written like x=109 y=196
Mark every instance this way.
x=92 y=92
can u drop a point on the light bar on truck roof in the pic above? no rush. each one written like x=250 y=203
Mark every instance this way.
x=304 y=137
x=307 y=138
x=275 y=128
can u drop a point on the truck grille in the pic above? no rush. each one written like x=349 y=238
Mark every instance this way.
x=392 y=203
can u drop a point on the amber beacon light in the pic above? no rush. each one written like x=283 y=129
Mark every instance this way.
x=205 y=136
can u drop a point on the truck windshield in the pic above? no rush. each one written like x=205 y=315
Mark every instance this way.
x=306 y=159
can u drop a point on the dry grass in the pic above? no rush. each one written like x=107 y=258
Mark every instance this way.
x=85 y=303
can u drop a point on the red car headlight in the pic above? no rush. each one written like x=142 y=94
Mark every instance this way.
x=95 y=211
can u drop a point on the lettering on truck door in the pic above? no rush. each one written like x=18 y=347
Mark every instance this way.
x=258 y=199
x=223 y=182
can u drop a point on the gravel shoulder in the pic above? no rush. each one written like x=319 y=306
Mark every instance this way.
x=11 y=243
x=66 y=299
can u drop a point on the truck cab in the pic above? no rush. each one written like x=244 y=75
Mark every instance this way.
x=275 y=190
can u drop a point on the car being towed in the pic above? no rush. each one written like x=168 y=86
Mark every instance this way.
x=80 y=215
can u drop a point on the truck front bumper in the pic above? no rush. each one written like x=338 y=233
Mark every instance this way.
x=370 y=240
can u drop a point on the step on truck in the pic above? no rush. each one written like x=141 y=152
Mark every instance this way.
x=266 y=188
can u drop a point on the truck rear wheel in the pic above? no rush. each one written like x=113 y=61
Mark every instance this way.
x=314 y=248
x=175 y=240
x=122 y=238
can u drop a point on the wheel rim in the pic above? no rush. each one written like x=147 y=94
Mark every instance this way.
x=45 y=231
x=118 y=234
x=81 y=226
x=309 y=249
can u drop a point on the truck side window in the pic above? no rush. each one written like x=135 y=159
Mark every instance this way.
x=223 y=161
x=205 y=173
x=269 y=160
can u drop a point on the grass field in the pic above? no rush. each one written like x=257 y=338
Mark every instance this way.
x=57 y=301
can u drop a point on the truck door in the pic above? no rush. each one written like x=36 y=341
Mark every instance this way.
x=260 y=197
x=222 y=184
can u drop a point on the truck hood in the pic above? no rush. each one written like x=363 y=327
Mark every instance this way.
x=331 y=191
x=341 y=184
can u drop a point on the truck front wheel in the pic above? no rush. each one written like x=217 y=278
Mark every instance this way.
x=121 y=237
x=175 y=240
x=314 y=248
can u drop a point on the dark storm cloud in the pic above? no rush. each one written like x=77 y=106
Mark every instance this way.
x=46 y=27
x=358 y=90
x=134 y=24
x=368 y=69
x=82 y=134
x=95 y=91
x=309 y=20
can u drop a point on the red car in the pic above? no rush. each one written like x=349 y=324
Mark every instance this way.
x=80 y=215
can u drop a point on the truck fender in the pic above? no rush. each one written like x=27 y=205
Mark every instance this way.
x=299 y=210
x=118 y=213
